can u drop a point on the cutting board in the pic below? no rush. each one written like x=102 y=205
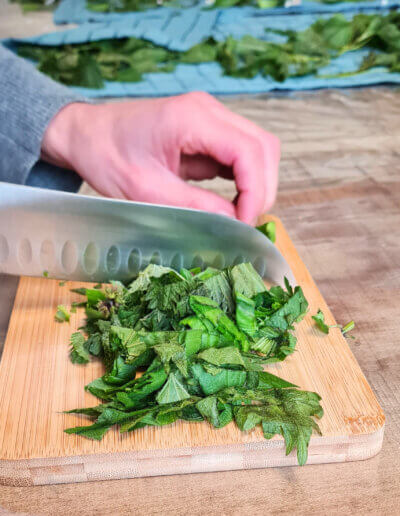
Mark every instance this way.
x=38 y=382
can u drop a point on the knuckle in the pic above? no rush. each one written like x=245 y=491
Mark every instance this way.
x=197 y=97
x=256 y=148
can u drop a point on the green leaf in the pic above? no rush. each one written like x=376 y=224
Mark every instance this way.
x=79 y=353
x=81 y=291
x=218 y=414
x=263 y=345
x=149 y=383
x=245 y=315
x=269 y=230
x=94 y=296
x=151 y=271
x=121 y=372
x=89 y=73
x=348 y=327
x=130 y=342
x=172 y=391
x=207 y=310
x=222 y=356
x=62 y=314
x=292 y=311
x=319 y=319
x=268 y=380
x=212 y=383
x=201 y=53
x=216 y=286
x=95 y=431
x=335 y=31
x=246 y=281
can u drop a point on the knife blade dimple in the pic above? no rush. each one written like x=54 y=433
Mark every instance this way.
x=96 y=239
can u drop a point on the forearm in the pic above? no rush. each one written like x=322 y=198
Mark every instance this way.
x=28 y=102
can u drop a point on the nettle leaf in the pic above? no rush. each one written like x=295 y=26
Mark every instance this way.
x=95 y=431
x=79 y=353
x=319 y=319
x=198 y=340
x=121 y=372
x=207 y=310
x=130 y=342
x=201 y=53
x=269 y=230
x=222 y=356
x=221 y=378
x=336 y=32
x=268 y=380
x=292 y=311
x=149 y=383
x=245 y=314
x=151 y=271
x=62 y=314
x=217 y=413
x=246 y=281
x=172 y=391
x=264 y=345
x=216 y=286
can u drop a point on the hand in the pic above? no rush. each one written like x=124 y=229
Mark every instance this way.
x=144 y=150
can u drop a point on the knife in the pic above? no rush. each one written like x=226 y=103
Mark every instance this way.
x=79 y=237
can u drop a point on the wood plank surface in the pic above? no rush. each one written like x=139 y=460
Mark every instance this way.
x=35 y=450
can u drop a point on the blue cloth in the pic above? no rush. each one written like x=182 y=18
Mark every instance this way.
x=75 y=11
x=189 y=27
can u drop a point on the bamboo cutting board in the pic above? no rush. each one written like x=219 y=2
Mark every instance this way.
x=38 y=382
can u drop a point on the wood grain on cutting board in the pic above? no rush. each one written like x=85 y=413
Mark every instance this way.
x=38 y=382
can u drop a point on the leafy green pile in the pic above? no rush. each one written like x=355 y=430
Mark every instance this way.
x=35 y=5
x=108 y=6
x=303 y=53
x=202 y=338
x=112 y=6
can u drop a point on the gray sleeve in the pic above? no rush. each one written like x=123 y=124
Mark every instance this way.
x=28 y=101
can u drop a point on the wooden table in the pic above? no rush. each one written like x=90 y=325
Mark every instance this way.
x=339 y=198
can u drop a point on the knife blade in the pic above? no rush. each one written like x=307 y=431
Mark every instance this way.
x=87 y=238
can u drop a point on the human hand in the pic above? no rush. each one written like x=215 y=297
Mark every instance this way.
x=144 y=150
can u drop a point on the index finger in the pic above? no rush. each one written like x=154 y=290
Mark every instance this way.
x=209 y=132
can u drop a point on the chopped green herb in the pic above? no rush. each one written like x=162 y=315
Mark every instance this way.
x=62 y=314
x=76 y=305
x=81 y=291
x=319 y=319
x=348 y=327
x=79 y=352
x=202 y=338
x=61 y=284
x=45 y=274
x=269 y=230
